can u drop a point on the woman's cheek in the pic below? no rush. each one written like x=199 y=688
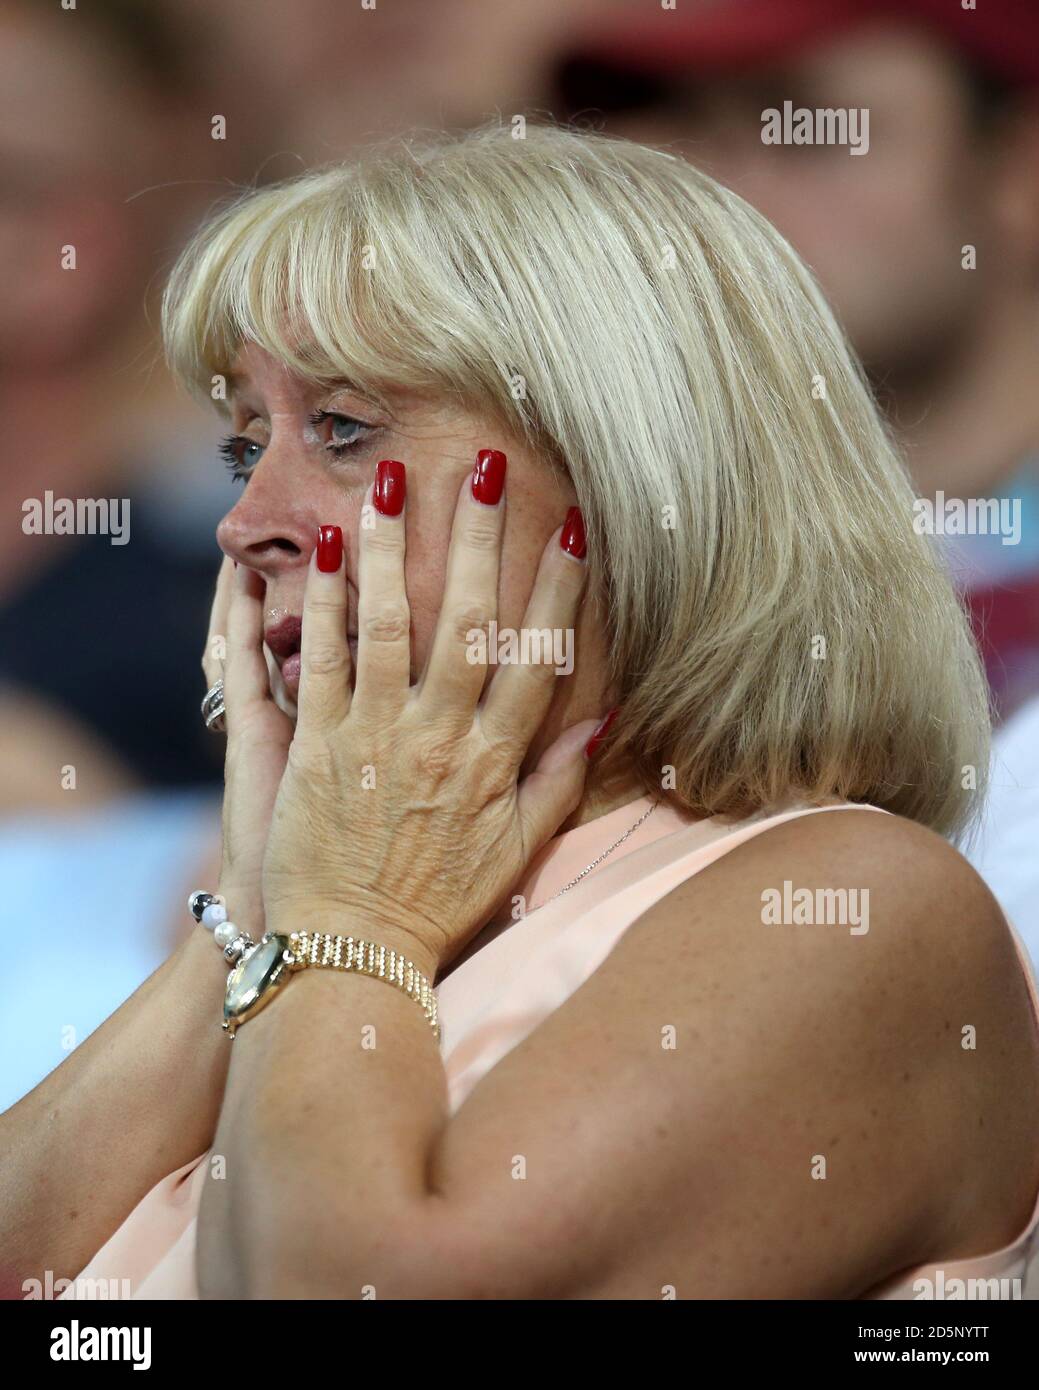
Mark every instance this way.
x=425 y=575
x=423 y=626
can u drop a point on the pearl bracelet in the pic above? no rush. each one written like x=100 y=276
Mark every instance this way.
x=209 y=909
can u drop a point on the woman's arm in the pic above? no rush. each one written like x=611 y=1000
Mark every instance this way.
x=813 y=1124
x=137 y=1099
x=140 y=1097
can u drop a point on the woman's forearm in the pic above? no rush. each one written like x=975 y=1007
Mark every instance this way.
x=138 y=1099
x=334 y=1105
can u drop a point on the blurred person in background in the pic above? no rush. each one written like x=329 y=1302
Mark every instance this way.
x=1005 y=853
x=952 y=163
x=409 y=64
x=98 y=632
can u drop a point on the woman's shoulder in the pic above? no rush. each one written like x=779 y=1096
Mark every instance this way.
x=869 y=901
x=895 y=872
x=868 y=951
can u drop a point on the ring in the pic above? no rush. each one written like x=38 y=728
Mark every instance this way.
x=213 y=708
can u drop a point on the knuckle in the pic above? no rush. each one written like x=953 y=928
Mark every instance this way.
x=435 y=756
x=326 y=603
x=496 y=767
x=309 y=758
x=326 y=658
x=483 y=537
x=385 y=540
x=388 y=623
x=465 y=617
x=541 y=672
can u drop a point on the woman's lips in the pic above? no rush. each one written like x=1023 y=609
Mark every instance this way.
x=290 y=673
x=284 y=638
x=283 y=642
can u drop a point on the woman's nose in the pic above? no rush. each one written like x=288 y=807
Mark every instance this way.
x=268 y=529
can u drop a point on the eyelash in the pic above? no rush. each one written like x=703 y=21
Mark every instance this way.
x=338 y=449
x=230 y=448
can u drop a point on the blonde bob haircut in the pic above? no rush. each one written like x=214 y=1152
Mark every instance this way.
x=777 y=628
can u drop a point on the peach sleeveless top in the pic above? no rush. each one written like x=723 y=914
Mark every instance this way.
x=511 y=978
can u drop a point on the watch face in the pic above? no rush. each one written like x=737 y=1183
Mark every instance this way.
x=255 y=978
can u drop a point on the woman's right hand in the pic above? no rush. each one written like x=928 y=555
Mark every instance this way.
x=258 y=738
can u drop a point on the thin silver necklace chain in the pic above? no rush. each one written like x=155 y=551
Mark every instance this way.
x=596 y=862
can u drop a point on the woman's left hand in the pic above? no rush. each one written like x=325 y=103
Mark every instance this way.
x=401 y=815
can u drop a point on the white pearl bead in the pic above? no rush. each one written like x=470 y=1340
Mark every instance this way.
x=224 y=934
x=213 y=915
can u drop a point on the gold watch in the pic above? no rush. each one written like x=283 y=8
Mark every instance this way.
x=263 y=969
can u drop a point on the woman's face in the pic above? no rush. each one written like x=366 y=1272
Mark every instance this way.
x=308 y=456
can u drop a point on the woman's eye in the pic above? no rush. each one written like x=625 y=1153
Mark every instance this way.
x=338 y=432
x=241 y=455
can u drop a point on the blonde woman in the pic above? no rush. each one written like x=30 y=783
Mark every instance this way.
x=682 y=989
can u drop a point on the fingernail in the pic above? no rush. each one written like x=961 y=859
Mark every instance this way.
x=489 y=476
x=599 y=737
x=329 y=548
x=390 y=487
x=572 y=538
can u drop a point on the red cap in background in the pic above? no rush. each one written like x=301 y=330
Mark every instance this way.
x=718 y=36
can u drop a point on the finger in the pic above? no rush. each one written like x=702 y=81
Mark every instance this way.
x=552 y=792
x=216 y=638
x=325 y=666
x=246 y=677
x=520 y=693
x=383 y=615
x=456 y=671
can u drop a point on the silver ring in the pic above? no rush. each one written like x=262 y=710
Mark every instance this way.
x=213 y=708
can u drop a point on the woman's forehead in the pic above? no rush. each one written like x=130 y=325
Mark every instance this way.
x=252 y=363
x=257 y=374
x=256 y=370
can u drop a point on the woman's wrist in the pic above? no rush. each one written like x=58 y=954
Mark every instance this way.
x=197 y=961
x=244 y=905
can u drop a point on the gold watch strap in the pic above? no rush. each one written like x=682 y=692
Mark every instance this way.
x=366 y=958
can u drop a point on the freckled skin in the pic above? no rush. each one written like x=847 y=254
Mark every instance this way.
x=297 y=485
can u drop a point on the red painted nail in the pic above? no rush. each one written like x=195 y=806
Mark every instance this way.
x=572 y=539
x=329 y=548
x=390 y=487
x=489 y=476
x=592 y=746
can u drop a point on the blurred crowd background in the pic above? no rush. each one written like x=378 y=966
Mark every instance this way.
x=106 y=144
